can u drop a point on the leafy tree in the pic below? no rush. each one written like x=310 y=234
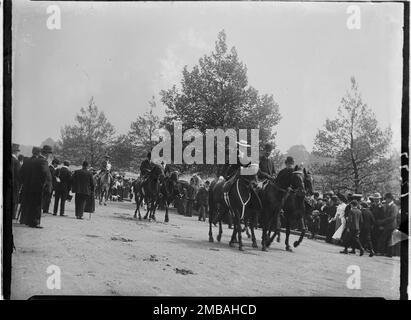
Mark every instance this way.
x=89 y=138
x=142 y=133
x=122 y=153
x=215 y=94
x=356 y=143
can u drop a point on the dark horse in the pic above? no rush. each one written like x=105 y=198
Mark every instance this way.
x=290 y=199
x=233 y=202
x=169 y=191
x=150 y=191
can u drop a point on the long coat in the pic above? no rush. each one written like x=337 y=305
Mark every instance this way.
x=65 y=177
x=83 y=182
x=36 y=179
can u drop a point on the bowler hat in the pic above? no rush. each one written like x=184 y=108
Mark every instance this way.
x=289 y=160
x=46 y=149
x=35 y=151
x=15 y=147
x=268 y=147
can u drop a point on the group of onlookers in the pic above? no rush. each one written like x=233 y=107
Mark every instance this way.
x=35 y=179
x=352 y=221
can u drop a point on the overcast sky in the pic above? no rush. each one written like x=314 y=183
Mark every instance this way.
x=124 y=53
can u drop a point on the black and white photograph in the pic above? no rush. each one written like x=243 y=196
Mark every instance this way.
x=207 y=149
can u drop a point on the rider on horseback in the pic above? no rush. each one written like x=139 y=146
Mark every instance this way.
x=145 y=167
x=105 y=165
x=266 y=170
x=234 y=171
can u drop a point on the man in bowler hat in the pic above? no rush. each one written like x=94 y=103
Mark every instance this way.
x=83 y=187
x=36 y=179
x=62 y=188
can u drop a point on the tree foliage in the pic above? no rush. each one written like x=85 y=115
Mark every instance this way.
x=142 y=133
x=215 y=94
x=89 y=138
x=360 y=149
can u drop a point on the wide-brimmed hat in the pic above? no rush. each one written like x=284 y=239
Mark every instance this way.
x=289 y=160
x=46 y=149
x=357 y=196
x=376 y=195
x=15 y=147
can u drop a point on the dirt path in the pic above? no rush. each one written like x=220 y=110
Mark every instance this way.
x=113 y=254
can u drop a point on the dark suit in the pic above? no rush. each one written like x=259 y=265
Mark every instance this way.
x=47 y=195
x=367 y=225
x=266 y=167
x=389 y=223
x=83 y=187
x=36 y=179
x=378 y=212
x=15 y=167
x=62 y=189
x=352 y=238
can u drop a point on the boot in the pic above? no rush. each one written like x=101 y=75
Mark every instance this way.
x=371 y=253
x=361 y=252
x=345 y=251
x=352 y=251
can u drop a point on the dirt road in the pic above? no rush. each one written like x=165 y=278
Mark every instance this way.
x=113 y=254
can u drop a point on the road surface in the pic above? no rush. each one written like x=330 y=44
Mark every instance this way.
x=114 y=254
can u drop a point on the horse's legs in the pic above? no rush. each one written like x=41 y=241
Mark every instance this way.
x=303 y=230
x=233 y=236
x=210 y=223
x=146 y=201
x=287 y=234
x=166 y=216
x=220 y=229
x=253 y=239
x=154 y=207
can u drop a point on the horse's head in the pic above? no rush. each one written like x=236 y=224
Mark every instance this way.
x=308 y=182
x=157 y=172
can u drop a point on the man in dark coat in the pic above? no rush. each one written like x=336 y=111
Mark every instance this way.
x=389 y=224
x=62 y=188
x=367 y=225
x=47 y=195
x=36 y=179
x=266 y=166
x=352 y=236
x=83 y=187
x=146 y=166
x=285 y=175
x=15 y=171
x=377 y=209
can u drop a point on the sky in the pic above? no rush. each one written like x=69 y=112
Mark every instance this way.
x=122 y=54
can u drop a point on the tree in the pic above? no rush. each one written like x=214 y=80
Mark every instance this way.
x=89 y=138
x=356 y=143
x=142 y=132
x=215 y=94
x=122 y=153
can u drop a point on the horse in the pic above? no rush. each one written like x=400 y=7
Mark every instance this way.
x=169 y=191
x=138 y=195
x=150 y=189
x=104 y=184
x=232 y=201
x=291 y=200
